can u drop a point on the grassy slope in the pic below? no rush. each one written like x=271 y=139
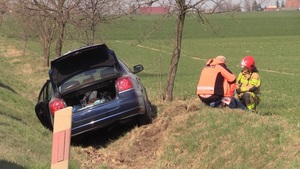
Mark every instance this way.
x=21 y=136
x=185 y=133
x=23 y=142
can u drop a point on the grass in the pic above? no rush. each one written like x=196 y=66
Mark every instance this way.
x=23 y=142
x=188 y=134
x=278 y=66
x=237 y=140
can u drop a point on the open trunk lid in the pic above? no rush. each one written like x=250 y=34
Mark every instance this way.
x=80 y=60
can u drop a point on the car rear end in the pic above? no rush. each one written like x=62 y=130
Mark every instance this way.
x=126 y=105
x=101 y=92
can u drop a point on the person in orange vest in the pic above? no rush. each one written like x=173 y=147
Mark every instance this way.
x=248 y=84
x=216 y=83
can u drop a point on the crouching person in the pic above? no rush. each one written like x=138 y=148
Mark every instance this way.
x=214 y=77
x=248 y=84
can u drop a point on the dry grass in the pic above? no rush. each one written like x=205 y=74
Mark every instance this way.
x=166 y=143
x=142 y=146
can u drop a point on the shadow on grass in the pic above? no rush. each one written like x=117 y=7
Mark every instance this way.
x=12 y=117
x=8 y=88
x=104 y=136
x=9 y=165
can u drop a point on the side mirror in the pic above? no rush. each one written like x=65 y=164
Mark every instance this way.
x=138 y=68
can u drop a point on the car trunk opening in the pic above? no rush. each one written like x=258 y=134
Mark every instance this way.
x=91 y=96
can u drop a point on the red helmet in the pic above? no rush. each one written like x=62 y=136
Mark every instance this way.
x=248 y=62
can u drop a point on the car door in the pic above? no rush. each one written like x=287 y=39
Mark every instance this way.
x=41 y=108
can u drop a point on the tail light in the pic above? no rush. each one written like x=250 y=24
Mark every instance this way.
x=56 y=104
x=123 y=84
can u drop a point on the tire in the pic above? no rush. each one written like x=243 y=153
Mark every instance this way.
x=147 y=117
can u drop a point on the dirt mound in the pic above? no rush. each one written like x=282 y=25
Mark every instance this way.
x=142 y=146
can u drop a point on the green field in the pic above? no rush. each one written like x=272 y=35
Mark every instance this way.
x=271 y=37
x=204 y=138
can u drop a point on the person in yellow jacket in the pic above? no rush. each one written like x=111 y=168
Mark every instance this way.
x=248 y=84
x=216 y=82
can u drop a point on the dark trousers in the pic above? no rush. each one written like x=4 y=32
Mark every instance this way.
x=213 y=100
x=235 y=103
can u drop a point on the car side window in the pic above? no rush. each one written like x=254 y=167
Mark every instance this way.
x=49 y=91
x=45 y=93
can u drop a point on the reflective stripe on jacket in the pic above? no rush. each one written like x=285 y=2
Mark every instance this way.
x=212 y=77
x=247 y=81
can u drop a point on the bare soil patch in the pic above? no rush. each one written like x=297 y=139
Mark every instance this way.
x=142 y=146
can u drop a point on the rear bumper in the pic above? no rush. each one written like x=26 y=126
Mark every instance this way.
x=106 y=114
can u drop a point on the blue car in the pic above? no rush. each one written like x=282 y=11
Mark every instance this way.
x=101 y=89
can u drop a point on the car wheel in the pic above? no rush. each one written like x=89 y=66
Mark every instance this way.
x=146 y=118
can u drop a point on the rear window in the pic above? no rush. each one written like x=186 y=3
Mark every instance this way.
x=86 y=77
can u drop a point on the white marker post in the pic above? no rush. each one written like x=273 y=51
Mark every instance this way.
x=61 y=139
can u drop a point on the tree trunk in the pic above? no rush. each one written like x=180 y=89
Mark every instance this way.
x=62 y=17
x=46 y=34
x=175 y=57
x=47 y=47
x=46 y=56
x=59 y=41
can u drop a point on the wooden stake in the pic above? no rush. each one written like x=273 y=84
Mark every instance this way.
x=61 y=139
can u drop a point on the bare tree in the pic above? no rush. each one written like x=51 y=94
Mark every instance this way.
x=46 y=31
x=45 y=18
x=3 y=8
x=34 y=23
x=59 y=10
x=182 y=9
x=91 y=13
x=229 y=6
x=182 y=6
x=248 y=4
x=283 y=4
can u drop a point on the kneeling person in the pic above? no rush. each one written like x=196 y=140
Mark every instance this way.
x=248 y=84
x=214 y=78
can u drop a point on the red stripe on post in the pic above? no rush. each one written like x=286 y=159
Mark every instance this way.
x=67 y=144
x=61 y=146
x=58 y=147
